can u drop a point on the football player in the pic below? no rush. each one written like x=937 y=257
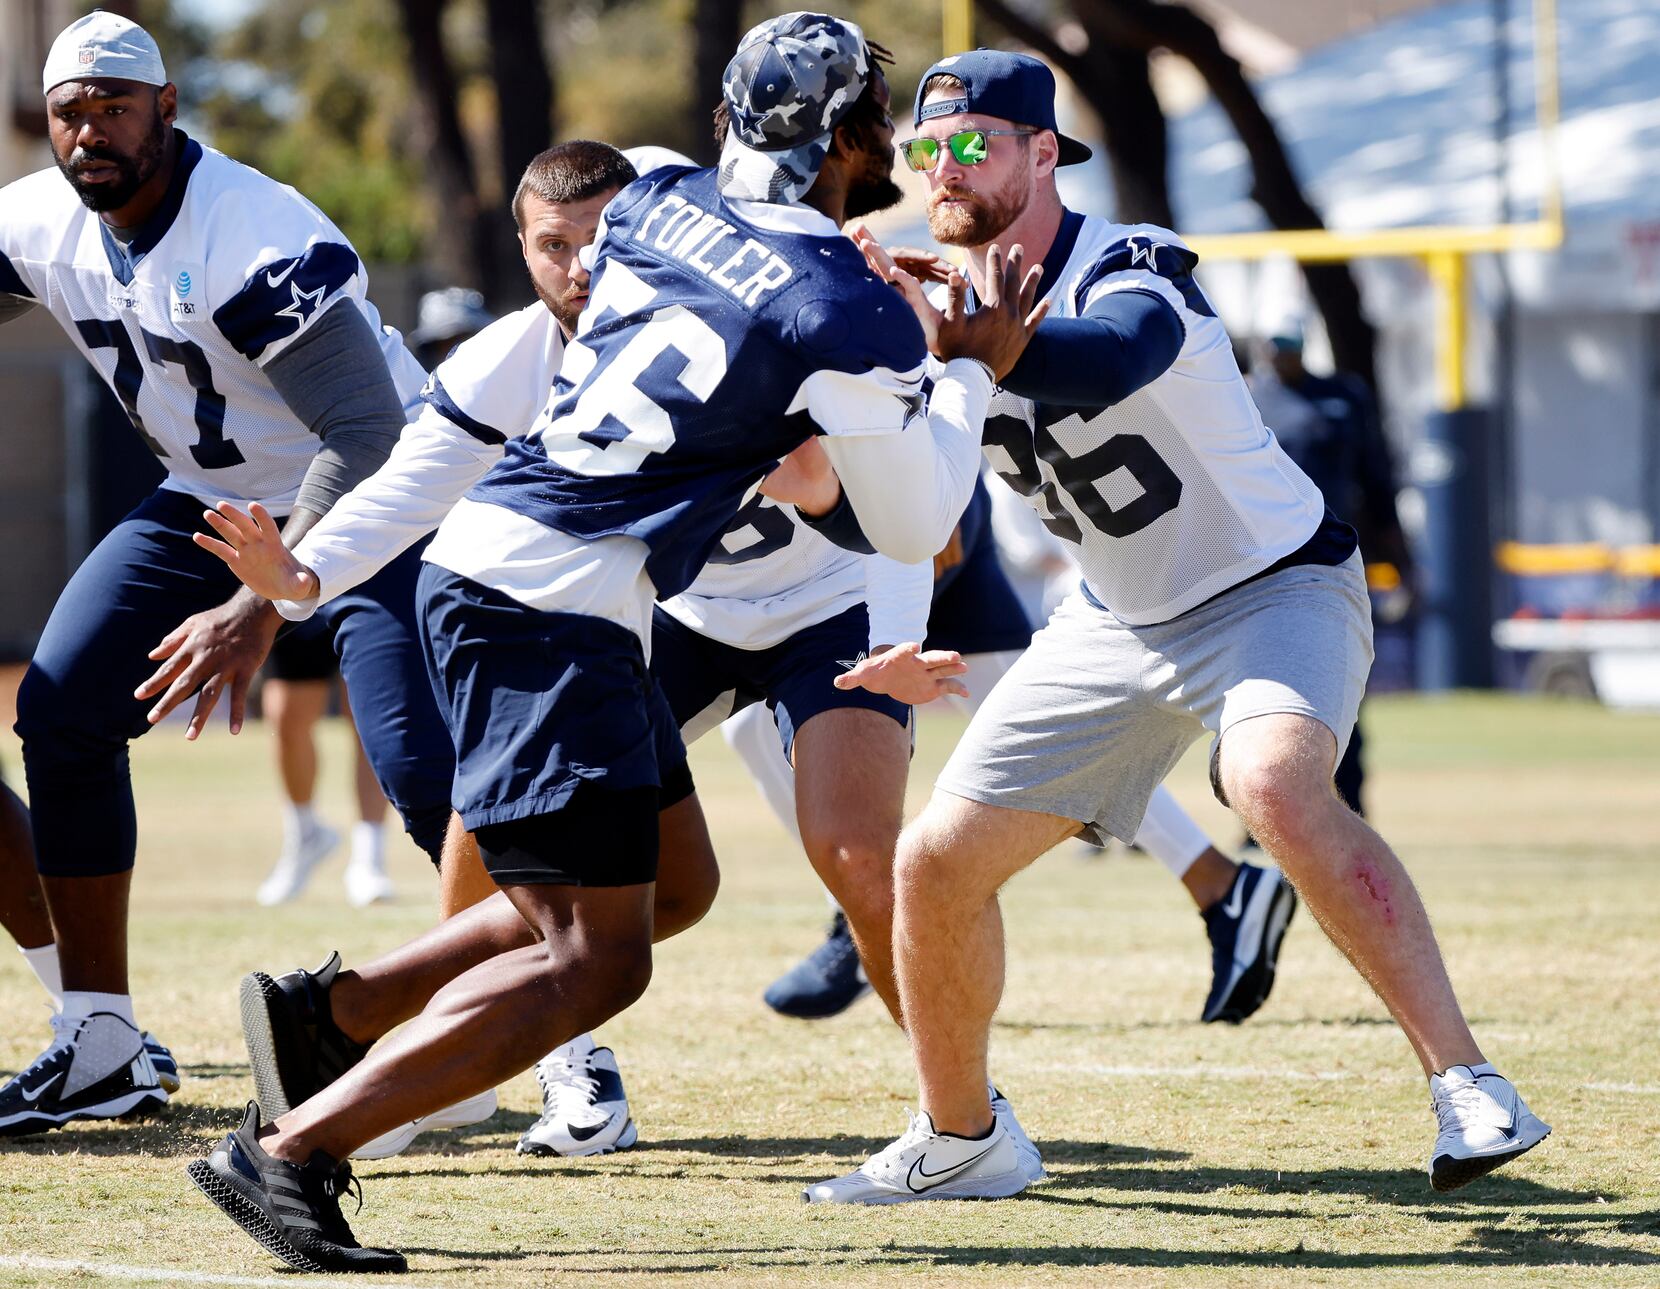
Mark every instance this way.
x=1218 y=595
x=230 y=317
x=729 y=322
x=777 y=613
x=977 y=615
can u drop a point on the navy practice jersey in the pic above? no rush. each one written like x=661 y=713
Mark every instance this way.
x=182 y=319
x=718 y=336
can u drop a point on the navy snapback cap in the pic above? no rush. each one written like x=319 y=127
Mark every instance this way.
x=1016 y=87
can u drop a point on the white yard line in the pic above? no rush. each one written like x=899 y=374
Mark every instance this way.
x=173 y=1275
x=1251 y=1073
x=1629 y=1089
x=1204 y=1070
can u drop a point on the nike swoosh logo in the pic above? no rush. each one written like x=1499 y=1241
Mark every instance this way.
x=277 y=279
x=35 y=1093
x=918 y=1171
x=584 y=1133
x=1236 y=901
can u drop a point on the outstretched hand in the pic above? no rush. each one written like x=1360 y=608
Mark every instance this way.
x=212 y=652
x=908 y=674
x=996 y=333
x=924 y=266
x=252 y=549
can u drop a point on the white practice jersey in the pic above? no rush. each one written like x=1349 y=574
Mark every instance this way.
x=182 y=318
x=771 y=575
x=1177 y=493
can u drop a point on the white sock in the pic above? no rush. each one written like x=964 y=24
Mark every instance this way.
x=44 y=963
x=369 y=846
x=297 y=820
x=80 y=1002
x=1169 y=834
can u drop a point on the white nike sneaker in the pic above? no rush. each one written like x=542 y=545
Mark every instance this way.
x=925 y=1164
x=584 y=1107
x=1483 y=1123
x=367 y=883
x=299 y=858
x=1030 y=1160
x=460 y=1115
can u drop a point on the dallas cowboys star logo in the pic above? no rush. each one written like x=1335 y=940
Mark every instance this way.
x=304 y=305
x=746 y=117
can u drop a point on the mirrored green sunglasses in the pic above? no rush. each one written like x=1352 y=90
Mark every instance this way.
x=969 y=147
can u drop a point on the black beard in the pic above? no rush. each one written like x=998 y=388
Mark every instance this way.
x=134 y=172
x=872 y=195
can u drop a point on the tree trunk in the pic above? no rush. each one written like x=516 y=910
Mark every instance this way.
x=523 y=77
x=717 y=25
x=1148 y=25
x=461 y=244
x=1116 y=83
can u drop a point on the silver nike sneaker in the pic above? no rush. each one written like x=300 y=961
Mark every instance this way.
x=1483 y=1123
x=926 y=1164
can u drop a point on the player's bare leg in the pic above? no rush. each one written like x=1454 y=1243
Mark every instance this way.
x=89 y=915
x=585 y=1109
x=462 y=879
x=948 y=942
x=293 y=707
x=373 y=999
x=22 y=902
x=850 y=766
x=1276 y=772
x=1246 y=908
x=367 y=881
x=592 y=959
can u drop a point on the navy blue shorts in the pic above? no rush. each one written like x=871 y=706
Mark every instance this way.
x=305 y=651
x=705 y=678
x=976 y=609
x=76 y=712
x=549 y=711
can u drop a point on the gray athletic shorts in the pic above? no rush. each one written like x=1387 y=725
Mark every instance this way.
x=1096 y=713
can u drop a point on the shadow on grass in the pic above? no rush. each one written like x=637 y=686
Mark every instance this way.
x=1514 y=1222
x=179 y=1128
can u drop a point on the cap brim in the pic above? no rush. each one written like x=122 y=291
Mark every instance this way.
x=1071 y=151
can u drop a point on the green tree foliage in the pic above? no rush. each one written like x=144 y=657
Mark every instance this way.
x=314 y=93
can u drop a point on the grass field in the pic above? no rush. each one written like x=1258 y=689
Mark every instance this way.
x=1288 y=1149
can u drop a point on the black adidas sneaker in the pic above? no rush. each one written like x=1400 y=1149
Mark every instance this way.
x=293 y=1210
x=294 y=1046
x=97 y=1067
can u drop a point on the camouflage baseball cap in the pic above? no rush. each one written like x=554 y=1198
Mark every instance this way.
x=791 y=82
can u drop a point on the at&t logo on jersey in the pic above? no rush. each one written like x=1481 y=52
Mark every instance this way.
x=184 y=292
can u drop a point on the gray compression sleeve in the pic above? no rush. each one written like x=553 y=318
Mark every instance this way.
x=335 y=379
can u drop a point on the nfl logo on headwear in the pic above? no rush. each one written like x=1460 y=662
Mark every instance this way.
x=89 y=55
